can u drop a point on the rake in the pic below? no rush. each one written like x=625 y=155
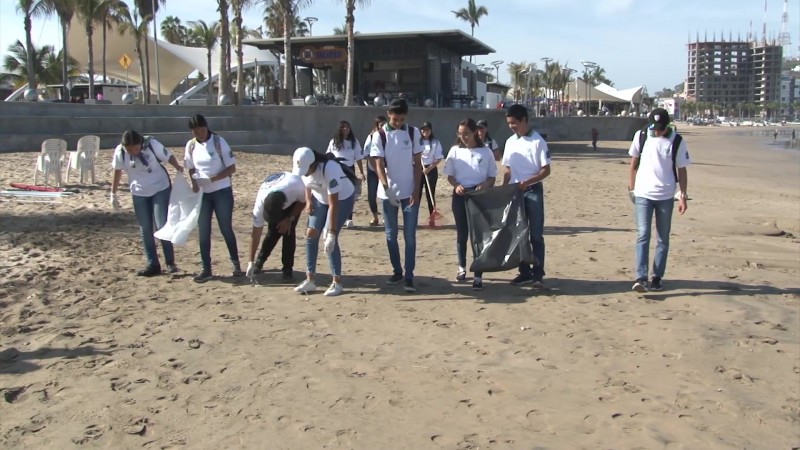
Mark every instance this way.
x=435 y=215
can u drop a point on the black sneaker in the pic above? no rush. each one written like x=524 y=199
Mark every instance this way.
x=461 y=277
x=203 y=276
x=395 y=279
x=655 y=285
x=538 y=284
x=172 y=268
x=150 y=271
x=640 y=285
x=287 y=276
x=522 y=279
x=408 y=286
x=258 y=267
x=477 y=285
x=237 y=270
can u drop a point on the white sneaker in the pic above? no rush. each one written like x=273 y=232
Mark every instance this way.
x=348 y=223
x=305 y=287
x=334 y=290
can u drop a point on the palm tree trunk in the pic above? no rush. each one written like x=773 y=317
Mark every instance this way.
x=89 y=33
x=224 y=45
x=239 y=58
x=29 y=48
x=348 y=89
x=142 y=68
x=287 y=51
x=146 y=80
x=210 y=86
x=105 y=77
x=65 y=62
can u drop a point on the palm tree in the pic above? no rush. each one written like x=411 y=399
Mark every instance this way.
x=273 y=19
x=91 y=12
x=30 y=9
x=238 y=7
x=340 y=31
x=515 y=70
x=173 y=31
x=598 y=75
x=472 y=14
x=46 y=64
x=350 y=20
x=288 y=9
x=207 y=35
x=113 y=14
x=138 y=28
x=147 y=11
x=224 y=46
x=64 y=9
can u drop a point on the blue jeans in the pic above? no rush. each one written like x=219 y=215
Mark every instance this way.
x=462 y=230
x=410 y=218
x=219 y=203
x=534 y=210
x=317 y=219
x=151 y=210
x=644 y=221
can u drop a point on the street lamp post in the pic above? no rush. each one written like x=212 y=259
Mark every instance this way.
x=586 y=66
x=496 y=65
x=567 y=74
x=546 y=61
x=311 y=21
x=158 y=70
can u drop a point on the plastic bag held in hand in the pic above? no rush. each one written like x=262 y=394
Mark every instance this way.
x=392 y=197
x=633 y=197
x=330 y=243
x=115 y=201
x=201 y=180
x=251 y=270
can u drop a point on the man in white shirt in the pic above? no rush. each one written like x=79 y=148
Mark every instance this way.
x=657 y=169
x=396 y=153
x=279 y=203
x=527 y=162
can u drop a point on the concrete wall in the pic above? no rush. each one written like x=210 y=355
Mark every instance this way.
x=264 y=129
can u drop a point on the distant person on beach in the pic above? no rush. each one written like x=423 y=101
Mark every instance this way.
x=595 y=136
x=654 y=175
x=431 y=157
x=486 y=138
x=775 y=135
x=211 y=163
x=372 y=177
x=345 y=147
x=142 y=160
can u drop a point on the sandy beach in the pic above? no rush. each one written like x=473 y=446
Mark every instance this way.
x=93 y=356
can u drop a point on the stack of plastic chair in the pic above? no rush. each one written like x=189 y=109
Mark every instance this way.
x=83 y=158
x=51 y=160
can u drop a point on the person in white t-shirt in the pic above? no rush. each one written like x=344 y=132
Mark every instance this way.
x=329 y=199
x=372 y=177
x=396 y=153
x=211 y=163
x=470 y=166
x=431 y=157
x=653 y=182
x=142 y=158
x=488 y=141
x=526 y=159
x=345 y=147
x=279 y=203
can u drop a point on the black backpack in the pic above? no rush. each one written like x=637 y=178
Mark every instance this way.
x=674 y=148
x=348 y=171
x=382 y=132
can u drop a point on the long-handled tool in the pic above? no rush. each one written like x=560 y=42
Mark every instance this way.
x=435 y=215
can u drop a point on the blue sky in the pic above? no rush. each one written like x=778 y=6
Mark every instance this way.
x=636 y=41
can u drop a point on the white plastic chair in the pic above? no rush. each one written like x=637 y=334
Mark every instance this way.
x=83 y=158
x=51 y=160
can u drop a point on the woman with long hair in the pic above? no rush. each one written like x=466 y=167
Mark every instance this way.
x=488 y=141
x=431 y=157
x=346 y=148
x=470 y=166
x=372 y=176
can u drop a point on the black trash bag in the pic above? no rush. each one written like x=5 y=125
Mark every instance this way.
x=498 y=229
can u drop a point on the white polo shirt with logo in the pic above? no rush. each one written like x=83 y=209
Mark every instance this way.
x=470 y=166
x=350 y=152
x=328 y=179
x=398 y=155
x=655 y=179
x=525 y=155
x=431 y=151
x=292 y=187
x=147 y=178
x=208 y=162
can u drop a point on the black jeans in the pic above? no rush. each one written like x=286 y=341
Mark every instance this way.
x=288 y=246
x=462 y=230
x=372 y=190
x=432 y=176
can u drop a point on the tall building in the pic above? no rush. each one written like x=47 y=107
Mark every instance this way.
x=729 y=73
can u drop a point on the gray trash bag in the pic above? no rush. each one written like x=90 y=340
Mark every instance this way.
x=498 y=229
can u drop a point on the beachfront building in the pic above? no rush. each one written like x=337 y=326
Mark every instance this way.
x=731 y=73
x=416 y=65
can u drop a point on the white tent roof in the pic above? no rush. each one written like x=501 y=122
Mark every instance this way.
x=176 y=62
x=603 y=92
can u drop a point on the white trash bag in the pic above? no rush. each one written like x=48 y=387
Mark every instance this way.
x=184 y=208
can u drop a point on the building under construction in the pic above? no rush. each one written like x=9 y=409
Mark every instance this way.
x=731 y=73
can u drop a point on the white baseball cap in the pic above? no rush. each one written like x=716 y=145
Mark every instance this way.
x=302 y=160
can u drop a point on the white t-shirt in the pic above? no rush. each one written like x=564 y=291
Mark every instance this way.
x=470 y=166
x=654 y=179
x=367 y=146
x=491 y=144
x=145 y=180
x=399 y=159
x=351 y=152
x=291 y=185
x=431 y=151
x=525 y=155
x=329 y=179
x=207 y=161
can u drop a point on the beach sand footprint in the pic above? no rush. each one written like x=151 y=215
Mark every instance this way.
x=198 y=377
x=91 y=433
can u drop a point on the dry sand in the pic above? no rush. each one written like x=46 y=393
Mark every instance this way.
x=94 y=356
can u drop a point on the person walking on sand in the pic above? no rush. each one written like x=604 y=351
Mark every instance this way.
x=470 y=166
x=329 y=199
x=142 y=160
x=346 y=148
x=372 y=177
x=655 y=170
x=211 y=163
x=526 y=159
x=488 y=140
x=431 y=157
x=279 y=203
x=397 y=155
x=595 y=136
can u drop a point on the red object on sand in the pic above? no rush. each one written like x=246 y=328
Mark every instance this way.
x=31 y=187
